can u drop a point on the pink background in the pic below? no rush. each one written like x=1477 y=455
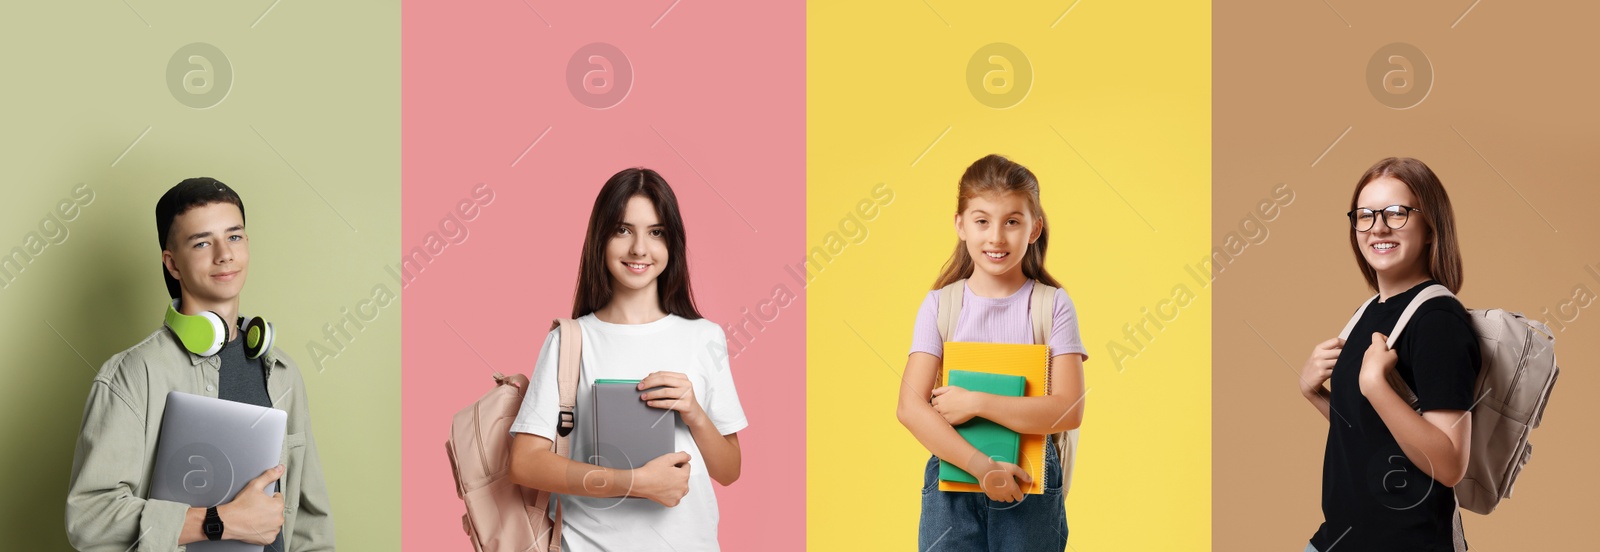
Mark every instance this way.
x=722 y=83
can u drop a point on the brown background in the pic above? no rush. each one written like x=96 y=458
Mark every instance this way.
x=1513 y=81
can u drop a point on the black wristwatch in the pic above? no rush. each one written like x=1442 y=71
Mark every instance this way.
x=212 y=525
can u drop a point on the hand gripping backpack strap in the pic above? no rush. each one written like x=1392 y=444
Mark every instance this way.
x=568 y=370
x=1395 y=381
x=1042 y=310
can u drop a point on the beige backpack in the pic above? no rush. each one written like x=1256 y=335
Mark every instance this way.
x=1041 y=308
x=503 y=516
x=1514 y=383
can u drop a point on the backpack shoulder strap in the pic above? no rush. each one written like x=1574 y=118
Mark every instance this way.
x=1351 y=325
x=1395 y=380
x=568 y=369
x=950 y=308
x=1423 y=296
x=949 y=311
x=1042 y=309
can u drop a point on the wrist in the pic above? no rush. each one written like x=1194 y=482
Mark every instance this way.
x=695 y=417
x=636 y=481
x=1312 y=393
x=1370 y=380
x=982 y=404
x=230 y=531
x=981 y=466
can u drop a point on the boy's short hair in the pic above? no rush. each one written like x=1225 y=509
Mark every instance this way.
x=191 y=193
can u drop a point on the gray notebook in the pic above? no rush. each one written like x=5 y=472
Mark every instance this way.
x=627 y=432
x=209 y=449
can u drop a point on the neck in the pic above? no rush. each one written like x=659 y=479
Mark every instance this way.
x=984 y=284
x=1394 y=283
x=228 y=310
x=632 y=306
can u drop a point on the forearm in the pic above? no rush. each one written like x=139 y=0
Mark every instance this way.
x=194 y=526
x=916 y=413
x=126 y=523
x=1033 y=415
x=937 y=435
x=102 y=512
x=313 y=520
x=1428 y=447
x=1321 y=399
x=547 y=471
x=720 y=452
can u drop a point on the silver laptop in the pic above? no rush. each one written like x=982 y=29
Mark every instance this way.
x=627 y=432
x=209 y=448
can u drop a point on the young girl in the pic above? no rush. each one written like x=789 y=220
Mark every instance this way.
x=1388 y=471
x=638 y=318
x=1002 y=232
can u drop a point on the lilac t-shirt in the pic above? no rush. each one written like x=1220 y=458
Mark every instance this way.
x=1002 y=320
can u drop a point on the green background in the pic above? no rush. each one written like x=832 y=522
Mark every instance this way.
x=308 y=134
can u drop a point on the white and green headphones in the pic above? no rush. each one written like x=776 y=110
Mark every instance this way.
x=204 y=334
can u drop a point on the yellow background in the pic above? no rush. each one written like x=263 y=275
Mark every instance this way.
x=1129 y=87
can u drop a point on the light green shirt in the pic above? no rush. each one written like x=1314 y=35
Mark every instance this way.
x=108 y=504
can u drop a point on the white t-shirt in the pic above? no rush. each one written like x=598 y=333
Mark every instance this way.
x=696 y=348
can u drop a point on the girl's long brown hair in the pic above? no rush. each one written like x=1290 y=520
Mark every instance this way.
x=996 y=174
x=1444 y=252
x=594 y=281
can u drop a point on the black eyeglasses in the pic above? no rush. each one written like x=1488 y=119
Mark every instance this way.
x=1394 y=216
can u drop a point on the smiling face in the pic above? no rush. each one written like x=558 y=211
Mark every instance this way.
x=997 y=229
x=1393 y=253
x=637 y=251
x=208 y=252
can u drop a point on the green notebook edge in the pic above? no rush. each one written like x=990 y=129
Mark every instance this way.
x=989 y=437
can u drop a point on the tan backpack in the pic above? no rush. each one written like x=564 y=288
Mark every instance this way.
x=1514 y=383
x=503 y=516
x=1041 y=308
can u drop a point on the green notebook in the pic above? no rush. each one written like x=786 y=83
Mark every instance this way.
x=990 y=438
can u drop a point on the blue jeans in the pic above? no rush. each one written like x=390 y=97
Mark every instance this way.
x=970 y=521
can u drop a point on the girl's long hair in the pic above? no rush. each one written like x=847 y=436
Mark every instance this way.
x=1444 y=252
x=594 y=280
x=996 y=174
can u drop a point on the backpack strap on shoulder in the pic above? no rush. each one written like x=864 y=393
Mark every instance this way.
x=568 y=369
x=949 y=311
x=1423 y=296
x=1395 y=381
x=1351 y=325
x=950 y=308
x=1042 y=309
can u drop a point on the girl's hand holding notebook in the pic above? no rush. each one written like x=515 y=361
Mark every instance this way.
x=956 y=404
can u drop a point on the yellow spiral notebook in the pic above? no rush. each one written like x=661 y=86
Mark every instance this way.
x=1029 y=361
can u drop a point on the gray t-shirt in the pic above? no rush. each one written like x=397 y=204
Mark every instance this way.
x=242 y=379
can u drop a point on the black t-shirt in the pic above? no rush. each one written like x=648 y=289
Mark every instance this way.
x=1373 y=497
x=243 y=379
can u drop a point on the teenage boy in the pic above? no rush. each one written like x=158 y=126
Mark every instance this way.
x=205 y=257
